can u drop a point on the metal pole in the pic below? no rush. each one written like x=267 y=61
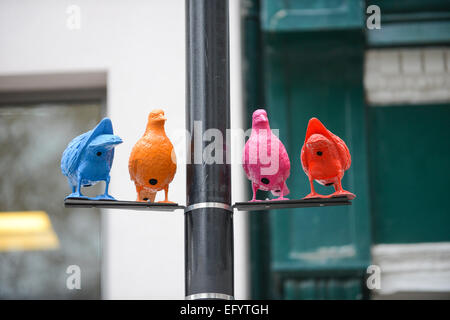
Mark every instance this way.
x=208 y=215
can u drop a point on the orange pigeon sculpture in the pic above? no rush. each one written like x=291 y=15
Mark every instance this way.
x=324 y=158
x=152 y=162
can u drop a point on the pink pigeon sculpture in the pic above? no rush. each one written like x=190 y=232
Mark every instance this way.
x=265 y=159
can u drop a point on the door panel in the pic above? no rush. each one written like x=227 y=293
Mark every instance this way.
x=409 y=168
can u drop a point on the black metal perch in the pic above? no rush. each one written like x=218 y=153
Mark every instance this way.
x=295 y=203
x=130 y=205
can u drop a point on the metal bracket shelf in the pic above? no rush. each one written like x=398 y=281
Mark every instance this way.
x=297 y=203
x=118 y=204
x=241 y=206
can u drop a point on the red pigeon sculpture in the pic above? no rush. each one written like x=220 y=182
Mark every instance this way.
x=324 y=158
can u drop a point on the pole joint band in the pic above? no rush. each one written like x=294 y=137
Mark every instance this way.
x=200 y=205
x=209 y=295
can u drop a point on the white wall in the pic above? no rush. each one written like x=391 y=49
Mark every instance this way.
x=412 y=267
x=141 y=47
x=407 y=76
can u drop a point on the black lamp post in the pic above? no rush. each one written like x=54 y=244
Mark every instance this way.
x=208 y=214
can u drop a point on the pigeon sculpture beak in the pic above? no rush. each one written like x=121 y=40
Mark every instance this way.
x=261 y=118
x=105 y=140
x=264 y=118
x=161 y=117
x=156 y=116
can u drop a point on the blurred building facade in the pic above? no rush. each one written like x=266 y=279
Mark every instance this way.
x=384 y=91
x=377 y=74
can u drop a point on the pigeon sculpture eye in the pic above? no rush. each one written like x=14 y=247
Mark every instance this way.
x=319 y=153
x=153 y=181
x=99 y=153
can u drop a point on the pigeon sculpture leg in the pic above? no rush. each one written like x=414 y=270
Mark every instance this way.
x=76 y=190
x=283 y=191
x=313 y=193
x=105 y=196
x=145 y=194
x=255 y=189
x=166 y=194
x=150 y=197
x=75 y=193
x=339 y=191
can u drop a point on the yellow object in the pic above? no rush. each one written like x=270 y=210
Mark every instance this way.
x=26 y=230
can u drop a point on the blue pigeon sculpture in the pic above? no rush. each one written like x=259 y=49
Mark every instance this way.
x=88 y=159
